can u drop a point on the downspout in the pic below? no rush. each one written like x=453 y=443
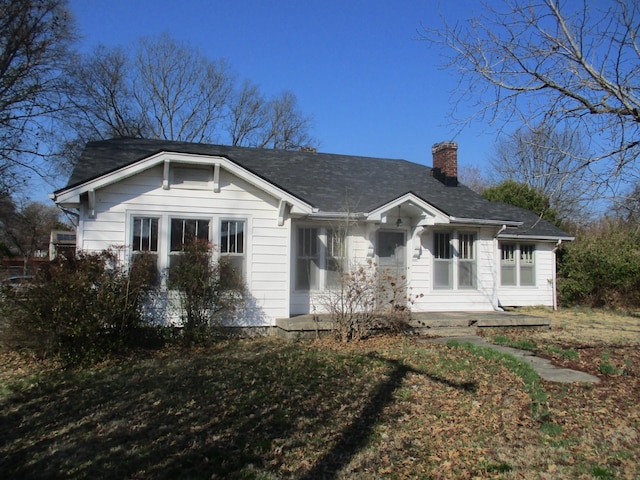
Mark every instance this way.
x=554 y=277
x=495 y=300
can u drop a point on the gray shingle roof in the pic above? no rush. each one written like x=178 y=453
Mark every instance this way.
x=328 y=182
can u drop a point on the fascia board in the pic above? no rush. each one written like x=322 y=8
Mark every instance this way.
x=481 y=221
x=542 y=238
x=297 y=205
x=377 y=214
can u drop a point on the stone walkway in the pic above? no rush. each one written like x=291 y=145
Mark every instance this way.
x=542 y=366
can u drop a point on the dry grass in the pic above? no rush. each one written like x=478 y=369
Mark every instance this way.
x=589 y=326
x=384 y=408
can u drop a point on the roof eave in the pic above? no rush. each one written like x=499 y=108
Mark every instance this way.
x=548 y=238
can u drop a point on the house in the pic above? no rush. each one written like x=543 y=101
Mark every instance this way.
x=278 y=216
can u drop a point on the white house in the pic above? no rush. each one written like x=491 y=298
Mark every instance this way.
x=276 y=215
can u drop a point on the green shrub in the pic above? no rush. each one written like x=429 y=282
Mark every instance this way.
x=602 y=267
x=79 y=309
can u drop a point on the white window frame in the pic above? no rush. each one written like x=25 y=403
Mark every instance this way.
x=236 y=256
x=308 y=256
x=144 y=218
x=335 y=262
x=462 y=252
x=467 y=258
x=442 y=256
x=519 y=257
x=323 y=259
x=187 y=218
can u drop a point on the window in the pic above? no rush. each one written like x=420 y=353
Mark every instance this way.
x=467 y=261
x=527 y=276
x=443 y=261
x=145 y=242
x=517 y=264
x=336 y=256
x=508 y=264
x=232 y=248
x=185 y=231
x=145 y=234
x=307 y=259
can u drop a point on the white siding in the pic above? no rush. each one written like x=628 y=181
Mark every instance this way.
x=267 y=244
x=435 y=299
x=269 y=247
x=542 y=292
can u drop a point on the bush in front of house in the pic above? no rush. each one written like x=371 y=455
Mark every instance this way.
x=209 y=290
x=80 y=309
x=367 y=299
x=601 y=268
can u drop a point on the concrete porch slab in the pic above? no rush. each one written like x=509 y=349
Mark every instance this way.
x=425 y=323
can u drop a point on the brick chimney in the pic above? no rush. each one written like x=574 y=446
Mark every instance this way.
x=445 y=163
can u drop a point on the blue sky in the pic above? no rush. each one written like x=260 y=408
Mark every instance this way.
x=373 y=87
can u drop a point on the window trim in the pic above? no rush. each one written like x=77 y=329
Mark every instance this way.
x=517 y=264
x=455 y=260
x=462 y=260
x=235 y=255
x=197 y=218
x=133 y=218
x=318 y=256
x=323 y=257
x=442 y=257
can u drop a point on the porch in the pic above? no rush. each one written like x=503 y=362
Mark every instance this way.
x=422 y=323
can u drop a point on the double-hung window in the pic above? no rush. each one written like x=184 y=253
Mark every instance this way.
x=307 y=259
x=443 y=260
x=508 y=252
x=145 y=234
x=232 y=246
x=467 y=269
x=336 y=256
x=454 y=261
x=144 y=241
x=517 y=264
x=185 y=231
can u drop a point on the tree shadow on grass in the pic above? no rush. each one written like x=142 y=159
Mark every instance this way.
x=238 y=411
x=356 y=435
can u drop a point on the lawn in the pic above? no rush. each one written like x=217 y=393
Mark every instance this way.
x=388 y=407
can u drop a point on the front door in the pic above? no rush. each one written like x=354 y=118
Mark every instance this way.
x=392 y=267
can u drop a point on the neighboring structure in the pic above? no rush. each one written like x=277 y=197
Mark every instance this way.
x=279 y=216
x=62 y=242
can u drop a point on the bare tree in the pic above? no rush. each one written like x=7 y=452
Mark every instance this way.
x=180 y=93
x=474 y=178
x=26 y=229
x=247 y=115
x=169 y=90
x=543 y=62
x=287 y=128
x=100 y=96
x=34 y=40
x=546 y=160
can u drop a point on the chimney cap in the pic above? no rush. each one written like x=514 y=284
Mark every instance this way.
x=443 y=146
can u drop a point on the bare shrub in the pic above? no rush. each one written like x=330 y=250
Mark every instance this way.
x=367 y=300
x=78 y=309
x=209 y=291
